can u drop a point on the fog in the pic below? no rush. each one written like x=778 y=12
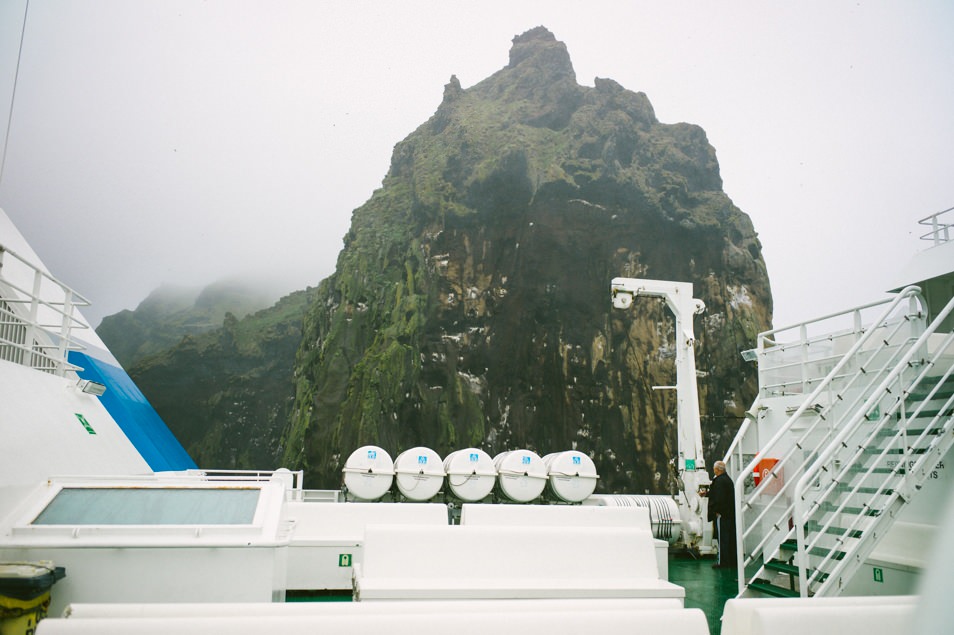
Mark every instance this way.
x=180 y=142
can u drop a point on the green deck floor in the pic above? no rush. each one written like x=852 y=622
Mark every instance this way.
x=706 y=588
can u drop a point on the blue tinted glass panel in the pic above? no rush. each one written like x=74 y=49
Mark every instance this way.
x=150 y=506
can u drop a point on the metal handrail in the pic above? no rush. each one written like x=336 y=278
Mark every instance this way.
x=768 y=344
x=253 y=476
x=908 y=294
x=822 y=414
x=32 y=351
x=940 y=232
x=909 y=469
x=851 y=427
x=736 y=446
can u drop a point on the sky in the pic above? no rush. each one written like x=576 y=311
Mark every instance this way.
x=179 y=142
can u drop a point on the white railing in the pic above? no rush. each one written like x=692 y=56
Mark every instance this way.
x=38 y=316
x=840 y=451
x=795 y=359
x=941 y=231
x=293 y=479
x=874 y=351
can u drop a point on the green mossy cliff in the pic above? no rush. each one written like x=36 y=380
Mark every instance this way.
x=470 y=305
x=226 y=393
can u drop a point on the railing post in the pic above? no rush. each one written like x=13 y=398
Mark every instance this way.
x=31 y=325
x=803 y=335
x=65 y=326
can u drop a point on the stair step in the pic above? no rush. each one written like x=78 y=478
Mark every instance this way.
x=943 y=392
x=786 y=567
x=781 y=566
x=894 y=451
x=822 y=552
x=912 y=432
x=929 y=414
x=791 y=545
x=844 y=487
x=857 y=469
x=854 y=511
x=814 y=526
x=763 y=586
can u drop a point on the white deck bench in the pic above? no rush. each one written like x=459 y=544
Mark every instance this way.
x=555 y=516
x=509 y=562
x=355 y=609
x=568 y=516
x=556 y=621
x=871 y=615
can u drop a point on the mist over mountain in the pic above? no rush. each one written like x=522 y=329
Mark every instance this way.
x=470 y=305
x=171 y=312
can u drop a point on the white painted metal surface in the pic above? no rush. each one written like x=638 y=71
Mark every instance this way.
x=521 y=475
x=42 y=426
x=871 y=615
x=368 y=473
x=451 y=607
x=494 y=562
x=553 y=622
x=691 y=461
x=327 y=539
x=121 y=562
x=419 y=473
x=471 y=474
x=571 y=475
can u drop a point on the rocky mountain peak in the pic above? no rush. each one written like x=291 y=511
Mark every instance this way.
x=538 y=48
x=470 y=305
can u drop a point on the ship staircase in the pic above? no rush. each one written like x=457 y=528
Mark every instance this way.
x=848 y=427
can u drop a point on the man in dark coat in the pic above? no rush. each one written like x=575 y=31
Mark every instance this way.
x=722 y=513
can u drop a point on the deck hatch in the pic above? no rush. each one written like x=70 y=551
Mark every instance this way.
x=150 y=506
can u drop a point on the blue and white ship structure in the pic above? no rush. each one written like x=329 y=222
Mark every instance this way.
x=842 y=473
x=62 y=391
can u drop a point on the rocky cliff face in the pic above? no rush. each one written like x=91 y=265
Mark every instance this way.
x=226 y=393
x=471 y=306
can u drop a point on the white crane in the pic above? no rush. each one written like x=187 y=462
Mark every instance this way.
x=690 y=459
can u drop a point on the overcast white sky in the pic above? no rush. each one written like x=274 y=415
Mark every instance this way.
x=181 y=141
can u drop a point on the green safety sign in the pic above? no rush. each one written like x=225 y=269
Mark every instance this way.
x=344 y=559
x=878 y=574
x=85 y=423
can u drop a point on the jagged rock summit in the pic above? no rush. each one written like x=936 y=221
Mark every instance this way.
x=470 y=305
